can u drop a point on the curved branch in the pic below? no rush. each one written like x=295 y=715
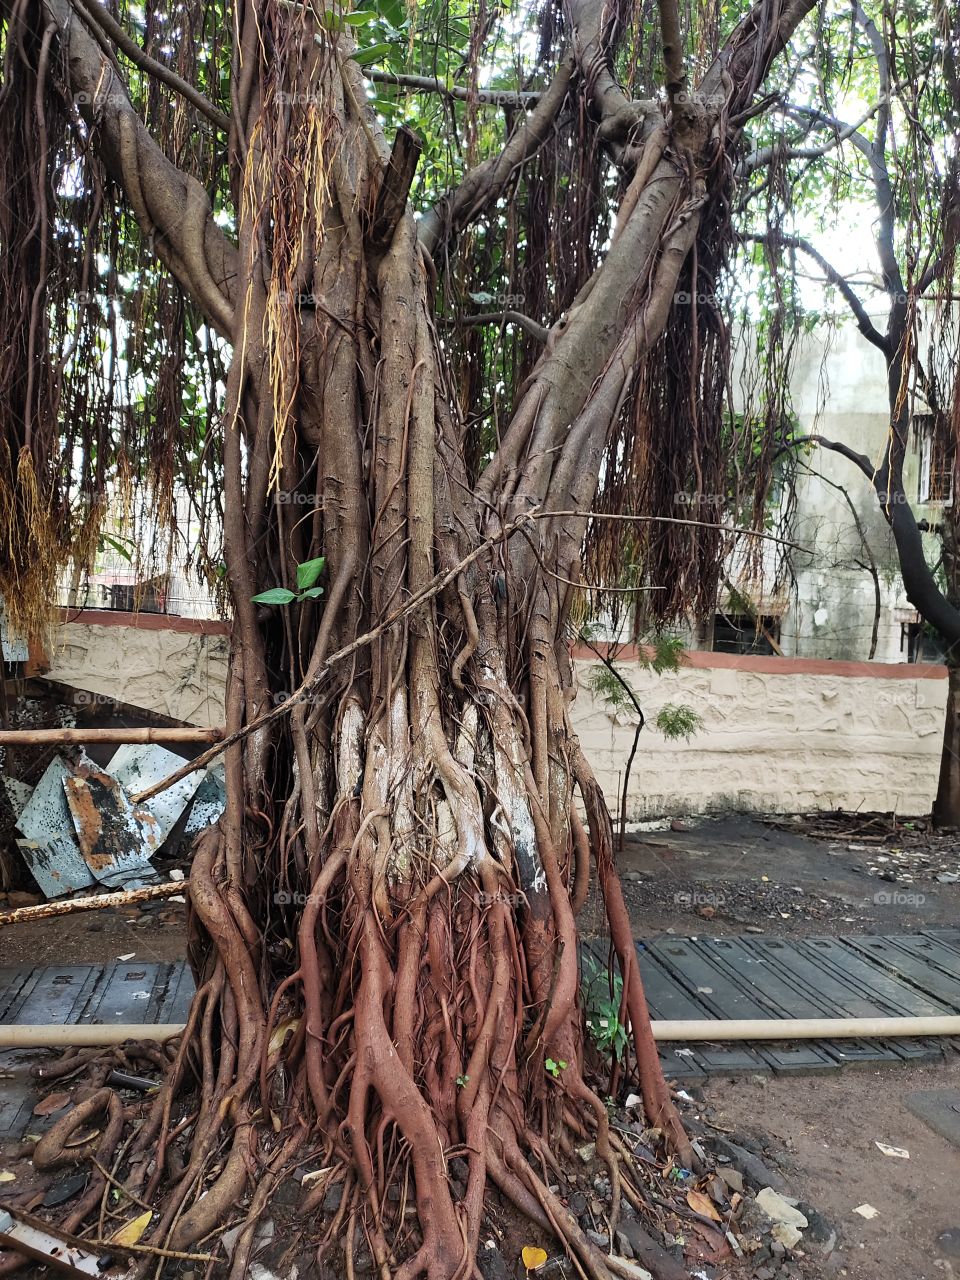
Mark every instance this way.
x=864 y=323
x=527 y=323
x=842 y=133
x=918 y=579
x=483 y=185
x=128 y=46
x=170 y=206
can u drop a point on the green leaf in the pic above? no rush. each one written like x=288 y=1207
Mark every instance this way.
x=376 y=52
x=309 y=572
x=276 y=595
x=311 y=593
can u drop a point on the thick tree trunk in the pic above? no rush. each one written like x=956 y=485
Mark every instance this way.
x=946 y=806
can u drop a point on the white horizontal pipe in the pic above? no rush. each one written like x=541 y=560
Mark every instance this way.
x=804 y=1028
x=84 y=1035
x=704 y=1029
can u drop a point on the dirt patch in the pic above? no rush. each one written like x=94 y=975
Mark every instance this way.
x=156 y=931
x=821 y=1132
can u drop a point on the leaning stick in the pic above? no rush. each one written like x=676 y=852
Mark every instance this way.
x=94 y=903
x=45 y=737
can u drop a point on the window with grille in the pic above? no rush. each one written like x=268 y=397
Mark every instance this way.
x=936 y=463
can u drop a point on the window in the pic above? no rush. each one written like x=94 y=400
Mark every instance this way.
x=936 y=462
x=744 y=633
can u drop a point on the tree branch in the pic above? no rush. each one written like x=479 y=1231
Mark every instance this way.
x=918 y=579
x=394 y=189
x=864 y=323
x=461 y=93
x=128 y=46
x=481 y=186
x=781 y=151
x=527 y=323
x=170 y=206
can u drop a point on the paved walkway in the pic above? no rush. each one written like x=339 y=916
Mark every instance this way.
x=739 y=977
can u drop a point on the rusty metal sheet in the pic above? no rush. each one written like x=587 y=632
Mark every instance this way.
x=116 y=838
x=50 y=849
x=138 y=768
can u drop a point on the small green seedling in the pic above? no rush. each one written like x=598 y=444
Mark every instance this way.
x=307 y=575
x=462 y=1081
x=555 y=1066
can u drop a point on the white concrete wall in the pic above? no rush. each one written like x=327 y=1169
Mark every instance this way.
x=779 y=734
x=178 y=673
x=770 y=742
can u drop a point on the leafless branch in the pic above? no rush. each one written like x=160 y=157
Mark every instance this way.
x=834 y=277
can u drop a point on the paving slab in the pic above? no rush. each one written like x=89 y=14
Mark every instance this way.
x=940 y=1109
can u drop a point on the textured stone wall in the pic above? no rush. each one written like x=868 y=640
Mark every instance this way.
x=779 y=735
x=815 y=737
x=178 y=673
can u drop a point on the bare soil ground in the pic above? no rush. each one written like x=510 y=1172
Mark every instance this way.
x=822 y=1134
x=732 y=876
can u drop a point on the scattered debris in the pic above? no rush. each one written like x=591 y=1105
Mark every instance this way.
x=116 y=839
x=900 y=1152
x=37 y=1240
x=867 y=1211
x=779 y=1209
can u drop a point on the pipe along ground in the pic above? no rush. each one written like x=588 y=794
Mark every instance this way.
x=86 y=1035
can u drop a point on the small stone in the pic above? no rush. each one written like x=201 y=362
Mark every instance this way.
x=599 y=1238
x=331 y=1201
x=948 y=1242
x=577 y=1203
x=778 y=1248
x=765 y=1273
x=18 y=898
x=624 y=1247
x=587 y=1152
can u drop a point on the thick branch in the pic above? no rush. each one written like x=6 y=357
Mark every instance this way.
x=918 y=579
x=170 y=206
x=483 y=185
x=527 y=323
x=394 y=189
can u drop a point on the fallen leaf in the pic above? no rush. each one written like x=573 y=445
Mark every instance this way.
x=900 y=1152
x=52 y=1102
x=131 y=1233
x=82 y=1138
x=532 y=1257
x=7 y=1176
x=703 y=1205
x=314 y=1175
x=867 y=1211
x=281 y=1032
